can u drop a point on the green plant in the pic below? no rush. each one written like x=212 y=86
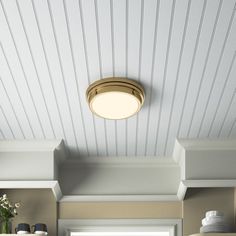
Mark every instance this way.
x=7 y=209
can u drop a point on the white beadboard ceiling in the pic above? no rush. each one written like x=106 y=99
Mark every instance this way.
x=182 y=51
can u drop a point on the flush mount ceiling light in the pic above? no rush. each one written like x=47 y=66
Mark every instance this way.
x=115 y=98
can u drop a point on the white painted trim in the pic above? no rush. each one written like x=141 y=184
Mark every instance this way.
x=57 y=191
x=115 y=198
x=174 y=226
x=29 y=145
x=181 y=191
x=208 y=144
x=203 y=183
x=27 y=184
x=209 y=183
x=134 y=162
x=178 y=151
x=51 y=184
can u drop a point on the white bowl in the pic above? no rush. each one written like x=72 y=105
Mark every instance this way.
x=40 y=232
x=215 y=229
x=214 y=213
x=213 y=220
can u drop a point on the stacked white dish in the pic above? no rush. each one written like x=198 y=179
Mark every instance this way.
x=214 y=222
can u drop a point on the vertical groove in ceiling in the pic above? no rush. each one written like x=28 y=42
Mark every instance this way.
x=231 y=129
x=112 y=38
x=183 y=52
x=227 y=112
x=75 y=76
x=120 y=36
x=17 y=90
x=100 y=67
x=126 y=65
x=8 y=125
x=113 y=66
x=12 y=108
x=165 y=72
x=2 y=135
x=191 y=67
x=24 y=74
x=152 y=73
x=98 y=38
x=177 y=73
x=139 y=69
x=133 y=57
x=49 y=71
x=205 y=66
x=63 y=75
x=221 y=95
x=36 y=71
x=217 y=69
x=113 y=71
x=87 y=65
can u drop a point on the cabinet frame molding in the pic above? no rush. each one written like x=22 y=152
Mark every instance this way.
x=173 y=226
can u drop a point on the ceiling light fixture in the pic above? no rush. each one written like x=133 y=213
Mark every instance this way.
x=115 y=98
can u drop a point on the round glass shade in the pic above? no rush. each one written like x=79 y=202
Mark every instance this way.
x=115 y=98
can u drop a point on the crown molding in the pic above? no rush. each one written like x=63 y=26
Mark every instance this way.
x=53 y=185
x=118 y=198
x=30 y=145
x=181 y=191
x=209 y=183
x=206 y=144
x=189 y=168
x=150 y=162
x=203 y=183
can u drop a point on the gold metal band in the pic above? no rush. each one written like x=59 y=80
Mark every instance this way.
x=115 y=84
